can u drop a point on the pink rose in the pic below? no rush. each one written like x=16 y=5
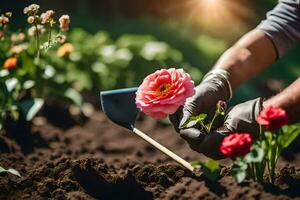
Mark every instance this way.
x=162 y=92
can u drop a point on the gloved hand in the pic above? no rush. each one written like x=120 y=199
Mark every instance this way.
x=214 y=87
x=239 y=118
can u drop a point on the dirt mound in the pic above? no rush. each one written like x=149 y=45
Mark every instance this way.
x=98 y=160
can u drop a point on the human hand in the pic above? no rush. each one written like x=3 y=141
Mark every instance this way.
x=239 y=118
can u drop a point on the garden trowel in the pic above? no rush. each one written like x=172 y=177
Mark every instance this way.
x=119 y=106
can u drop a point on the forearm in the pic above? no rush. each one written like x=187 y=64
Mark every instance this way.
x=288 y=99
x=250 y=55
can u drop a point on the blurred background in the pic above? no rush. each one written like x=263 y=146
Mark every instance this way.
x=118 y=42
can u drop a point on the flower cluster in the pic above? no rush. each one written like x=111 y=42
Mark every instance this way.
x=46 y=17
x=32 y=9
x=162 y=92
x=39 y=23
x=264 y=152
x=4 y=19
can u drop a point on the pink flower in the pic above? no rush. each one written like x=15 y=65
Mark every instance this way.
x=236 y=145
x=162 y=92
x=64 y=22
x=46 y=17
x=272 y=118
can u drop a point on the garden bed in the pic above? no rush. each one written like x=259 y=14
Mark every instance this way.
x=94 y=159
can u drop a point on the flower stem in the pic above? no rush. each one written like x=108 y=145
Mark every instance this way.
x=212 y=121
x=37 y=37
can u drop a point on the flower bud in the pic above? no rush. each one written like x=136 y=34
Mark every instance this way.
x=8 y=14
x=10 y=63
x=30 y=20
x=221 y=105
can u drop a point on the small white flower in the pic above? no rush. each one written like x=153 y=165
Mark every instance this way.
x=30 y=20
x=32 y=30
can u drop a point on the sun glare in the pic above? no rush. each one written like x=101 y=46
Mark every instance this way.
x=218 y=13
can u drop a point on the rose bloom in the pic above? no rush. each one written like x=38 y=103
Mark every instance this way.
x=10 y=63
x=65 y=49
x=236 y=145
x=272 y=118
x=162 y=92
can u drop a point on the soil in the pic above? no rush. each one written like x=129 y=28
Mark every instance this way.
x=64 y=157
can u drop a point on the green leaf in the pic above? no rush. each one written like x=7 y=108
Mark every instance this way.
x=201 y=117
x=12 y=171
x=2 y=169
x=196 y=164
x=31 y=107
x=28 y=84
x=75 y=96
x=4 y=72
x=191 y=123
x=238 y=170
x=290 y=133
x=211 y=168
x=11 y=84
x=239 y=175
x=256 y=154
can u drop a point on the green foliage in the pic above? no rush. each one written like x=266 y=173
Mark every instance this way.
x=239 y=170
x=98 y=62
x=288 y=135
x=211 y=169
x=244 y=166
x=195 y=120
x=264 y=154
x=202 y=118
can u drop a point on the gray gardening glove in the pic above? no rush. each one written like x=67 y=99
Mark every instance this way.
x=214 y=87
x=239 y=118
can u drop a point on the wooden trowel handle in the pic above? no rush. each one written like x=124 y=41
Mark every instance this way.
x=164 y=150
